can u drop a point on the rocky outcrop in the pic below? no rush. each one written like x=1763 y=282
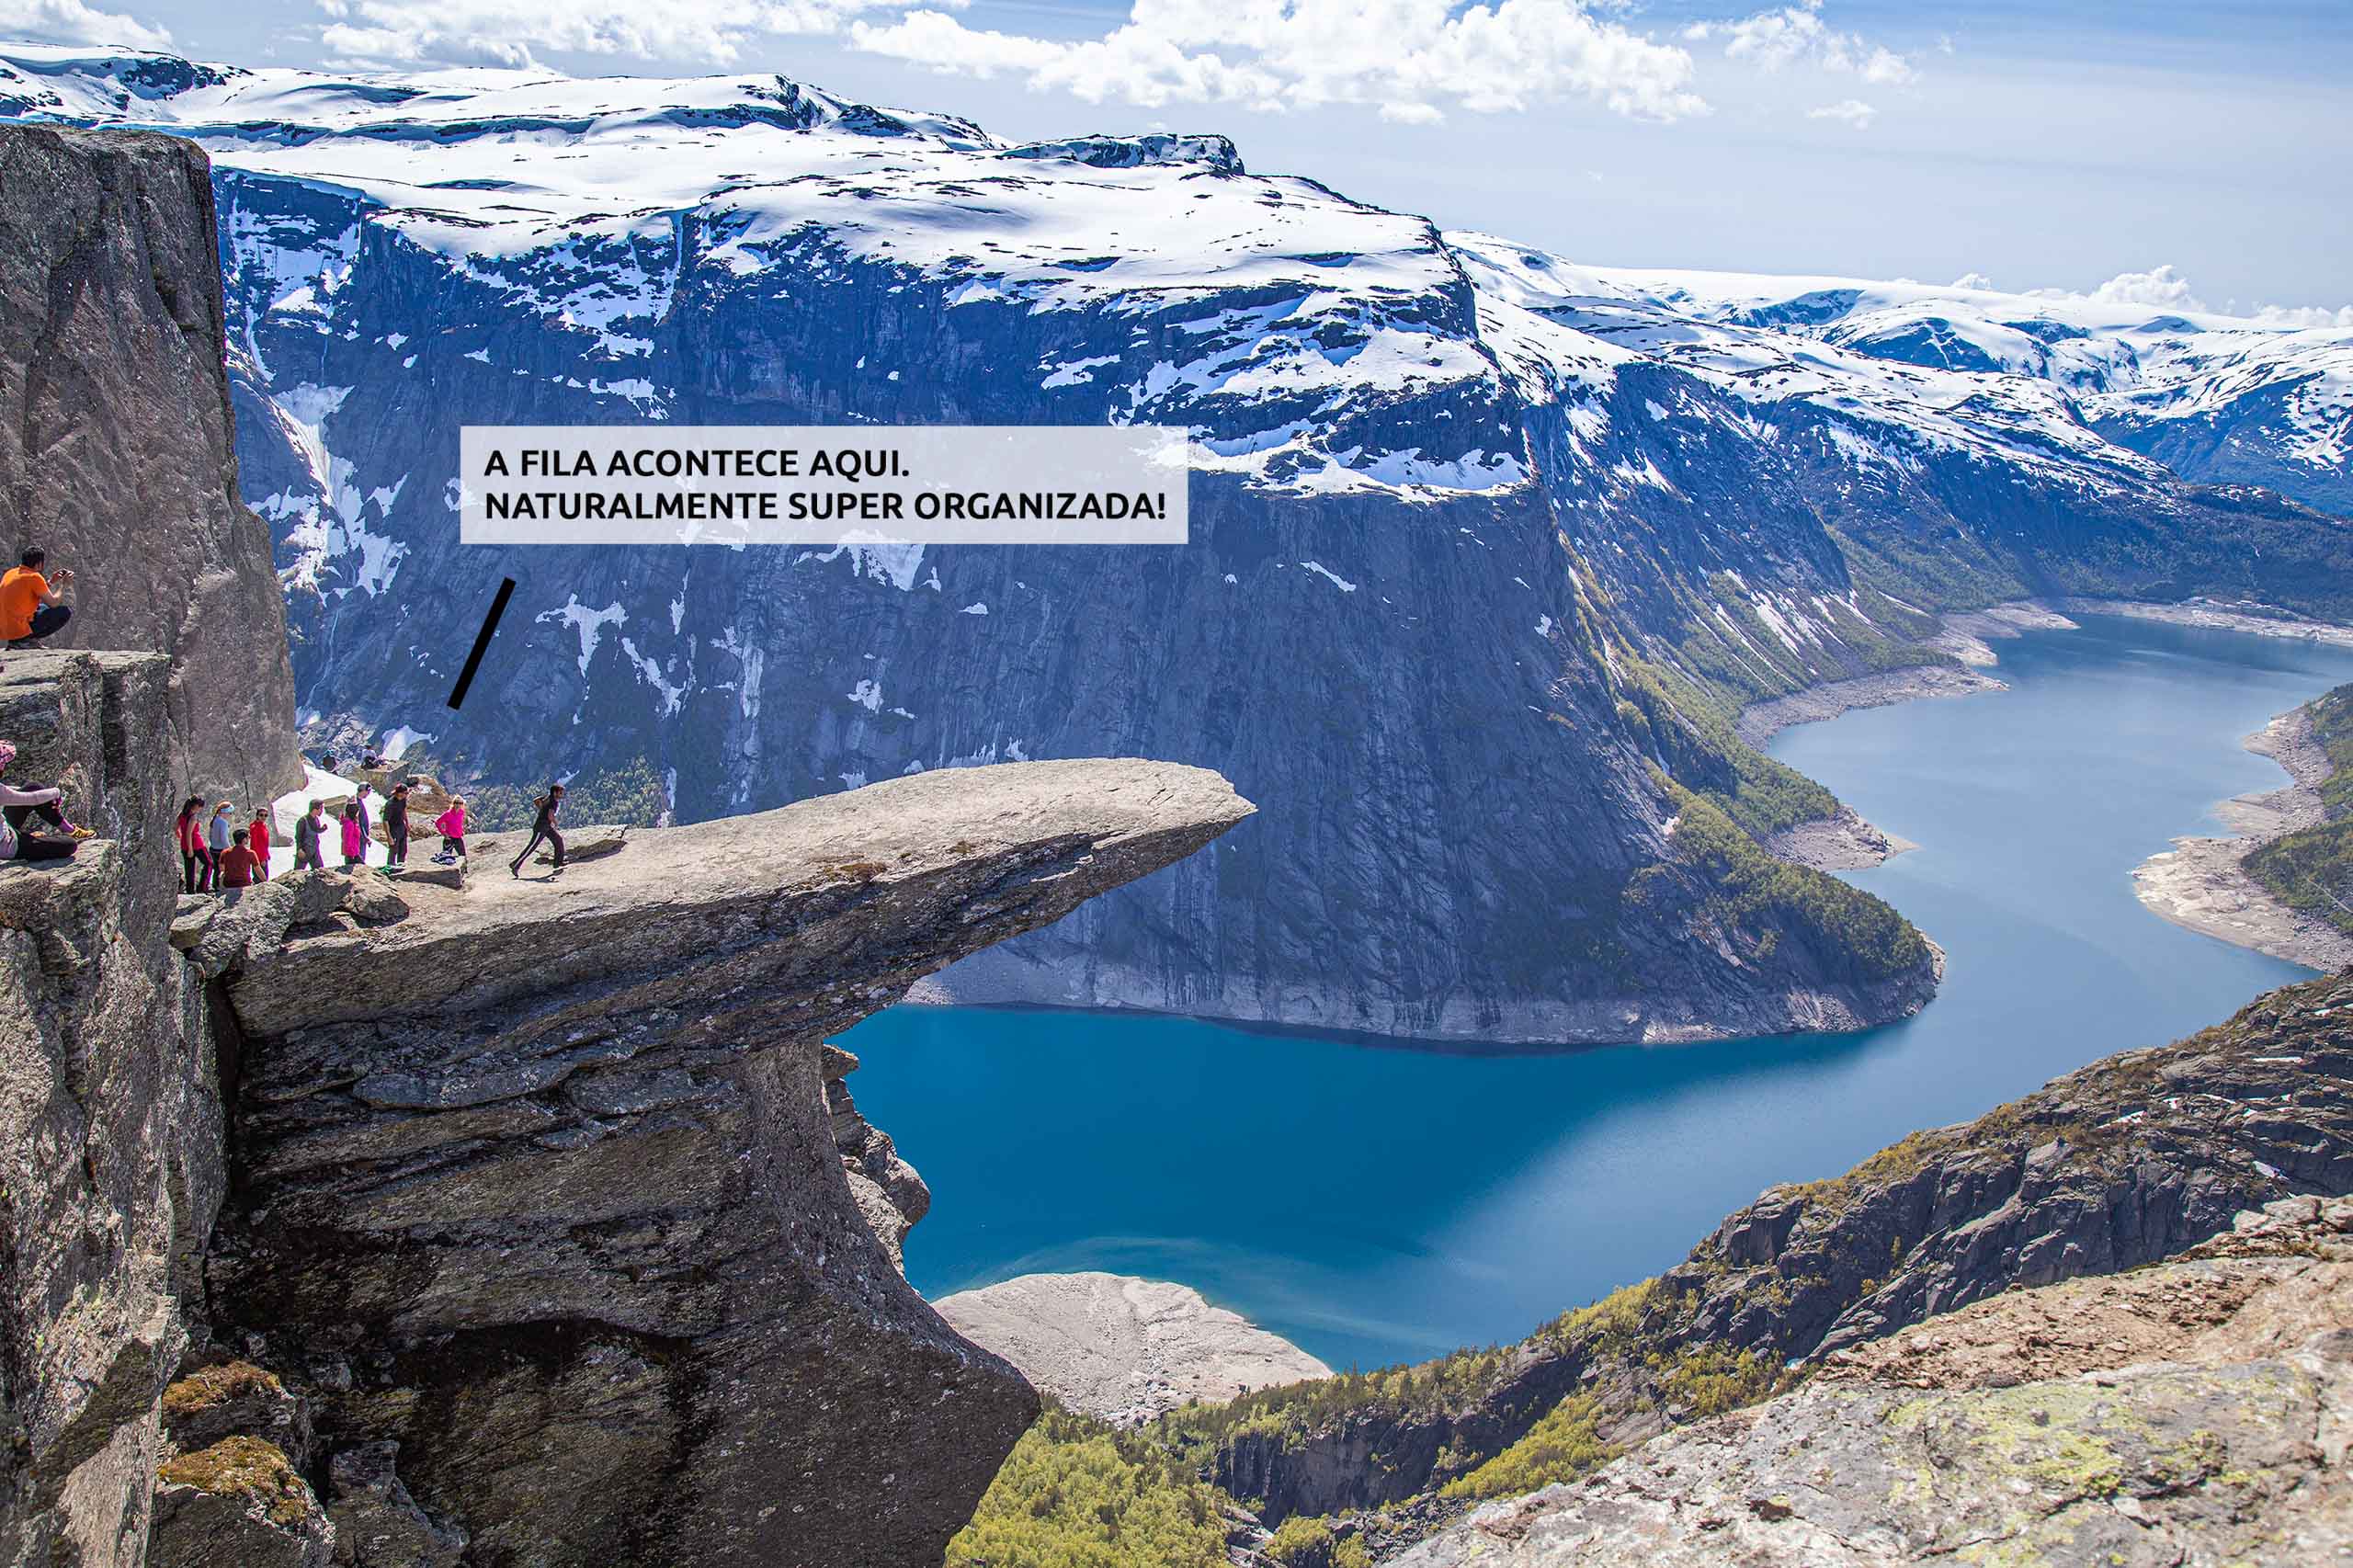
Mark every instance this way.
x=2189 y=1412
x=540 y=1180
x=889 y=1192
x=109 y=1119
x=117 y=453
x=2127 y=1163
x=1122 y=1349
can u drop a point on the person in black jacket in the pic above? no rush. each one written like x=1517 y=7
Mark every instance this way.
x=544 y=828
x=396 y=828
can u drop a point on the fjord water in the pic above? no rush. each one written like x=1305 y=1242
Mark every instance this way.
x=1376 y=1203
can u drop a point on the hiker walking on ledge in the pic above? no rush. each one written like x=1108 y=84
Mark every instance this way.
x=310 y=830
x=544 y=828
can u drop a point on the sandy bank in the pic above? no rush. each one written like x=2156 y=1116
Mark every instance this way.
x=2199 y=882
x=1122 y=1349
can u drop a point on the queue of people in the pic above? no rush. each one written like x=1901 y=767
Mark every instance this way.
x=220 y=854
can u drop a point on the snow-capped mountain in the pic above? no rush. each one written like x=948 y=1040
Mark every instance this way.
x=1480 y=536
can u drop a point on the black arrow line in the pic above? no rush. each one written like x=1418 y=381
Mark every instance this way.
x=482 y=640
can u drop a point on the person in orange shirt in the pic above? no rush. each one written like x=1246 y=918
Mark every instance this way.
x=30 y=607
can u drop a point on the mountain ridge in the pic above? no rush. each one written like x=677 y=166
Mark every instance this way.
x=1482 y=568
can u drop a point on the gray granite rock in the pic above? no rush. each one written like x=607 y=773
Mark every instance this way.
x=540 y=1179
x=2190 y=1413
x=117 y=451
x=110 y=1162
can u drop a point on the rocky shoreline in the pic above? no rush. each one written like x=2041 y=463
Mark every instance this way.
x=2203 y=885
x=1122 y=1349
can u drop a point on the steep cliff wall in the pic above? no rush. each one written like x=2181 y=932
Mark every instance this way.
x=110 y=1159
x=116 y=450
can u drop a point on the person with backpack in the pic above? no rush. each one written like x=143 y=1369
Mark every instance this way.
x=355 y=837
x=451 y=826
x=196 y=865
x=309 y=837
x=396 y=828
x=18 y=807
x=543 y=827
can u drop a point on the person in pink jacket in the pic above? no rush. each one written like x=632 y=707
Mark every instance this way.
x=355 y=841
x=451 y=826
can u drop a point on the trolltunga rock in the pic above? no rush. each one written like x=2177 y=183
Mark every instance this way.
x=538 y=1179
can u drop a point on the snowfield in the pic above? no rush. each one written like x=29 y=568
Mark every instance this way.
x=590 y=200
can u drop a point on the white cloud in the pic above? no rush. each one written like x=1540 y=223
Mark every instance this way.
x=1775 y=38
x=2304 y=315
x=2160 y=286
x=507 y=32
x=1407 y=57
x=2164 y=289
x=71 y=21
x=1853 y=111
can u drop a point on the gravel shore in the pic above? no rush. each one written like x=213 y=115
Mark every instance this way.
x=2200 y=883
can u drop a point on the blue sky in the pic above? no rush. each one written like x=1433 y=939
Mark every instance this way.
x=2052 y=144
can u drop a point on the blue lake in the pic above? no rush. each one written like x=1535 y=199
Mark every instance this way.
x=1376 y=1204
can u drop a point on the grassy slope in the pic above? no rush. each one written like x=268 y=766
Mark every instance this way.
x=2312 y=870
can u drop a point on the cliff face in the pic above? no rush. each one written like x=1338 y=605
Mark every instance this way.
x=111 y=1157
x=541 y=1182
x=116 y=450
x=523 y=1222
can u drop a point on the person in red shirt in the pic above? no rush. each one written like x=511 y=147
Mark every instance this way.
x=257 y=840
x=237 y=863
x=30 y=607
x=196 y=861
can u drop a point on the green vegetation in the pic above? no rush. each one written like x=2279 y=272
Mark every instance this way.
x=1563 y=1446
x=208 y=1386
x=1303 y=1542
x=1076 y=1493
x=245 y=1467
x=2313 y=870
x=1851 y=931
x=1703 y=1380
x=1696 y=745
x=628 y=792
x=1288 y=1415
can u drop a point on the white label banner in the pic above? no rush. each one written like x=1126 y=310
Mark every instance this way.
x=737 y=484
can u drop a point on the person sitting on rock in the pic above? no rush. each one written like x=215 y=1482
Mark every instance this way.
x=257 y=840
x=196 y=865
x=310 y=840
x=451 y=826
x=31 y=606
x=355 y=837
x=238 y=866
x=18 y=807
x=543 y=827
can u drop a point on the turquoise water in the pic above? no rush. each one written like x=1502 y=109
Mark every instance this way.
x=1376 y=1204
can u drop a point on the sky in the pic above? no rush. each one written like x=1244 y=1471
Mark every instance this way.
x=2188 y=153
